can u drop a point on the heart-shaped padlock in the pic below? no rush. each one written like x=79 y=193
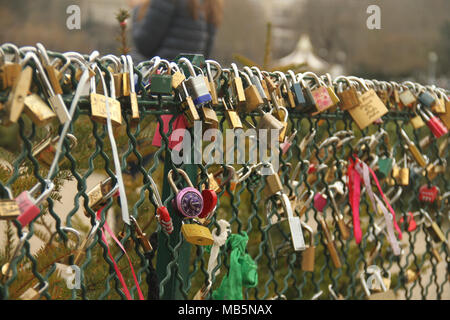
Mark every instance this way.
x=188 y=201
x=428 y=194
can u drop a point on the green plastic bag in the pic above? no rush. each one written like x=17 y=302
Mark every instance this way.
x=242 y=273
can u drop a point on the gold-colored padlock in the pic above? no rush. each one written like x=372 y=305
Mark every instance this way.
x=45 y=151
x=99 y=195
x=38 y=111
x=232 y=117
x=16 y=100
x=197 y=234
x=33 y=293
x=9 y=209
x=308 y=256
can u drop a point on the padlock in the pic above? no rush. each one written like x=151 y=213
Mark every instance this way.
x=433 y=229
x=45 y=151
x=349 y=96
x=284 y=116
x=55 y=100
x=9 y=70
x=32 y=293
x=52 y=73
x=143 y=240
x=209 y=196
x=9 y=209
x=308 y=256
x=407 y=98
x=188 y=201
x=339 y=218
x=273 y=183
x=324 y=98
x=132 y=95
x=37 y=110
x=253 y=98
x=329 y=242
x=320 y=201
x=212 y=80
x=286 y=91
x=421 y=161
x=434 y=123
x=188 y=107
x=287 y=143
x=426 y=99
x=265 y=95
x=98 y=106
x=197 y=234
x=232 y=116
x=403 y=175
x=100 y=194
x=29 y=206
x=417 y=122
x=209 y=117
x=16 y=99
x=162 y=214
x=384 y=295
x=162 y=84
x=268 y=122
x=428 y=193
x=297 y=91
x=411 y=276
x=237 y=86
x=370 y=109
x=196 y=85
x=440 y=106
x=6 y=271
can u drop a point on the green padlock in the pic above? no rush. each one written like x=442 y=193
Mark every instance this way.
x=384 y=167
x=161 y=84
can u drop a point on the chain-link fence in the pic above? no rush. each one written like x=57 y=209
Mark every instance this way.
x=175 y=269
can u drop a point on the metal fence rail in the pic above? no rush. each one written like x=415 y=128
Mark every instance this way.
x=181 y=268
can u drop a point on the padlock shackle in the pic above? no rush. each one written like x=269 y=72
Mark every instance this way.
x=131 y=72
x=42 y=52
x=156 y=196
x=360 y=82
x=68 y=230
x=310 y=231
x=188 y=64
x=209 y=71
x=183 y=174
x=42 y=74
x=15 y=50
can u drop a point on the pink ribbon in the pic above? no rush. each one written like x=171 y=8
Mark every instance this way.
x=116 y=268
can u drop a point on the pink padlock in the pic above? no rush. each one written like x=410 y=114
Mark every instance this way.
x=28 y=206
x=320 y=201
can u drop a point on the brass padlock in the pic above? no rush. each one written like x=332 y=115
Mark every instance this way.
x=308 y=256
x=433 y=229
x=339 y=218
x=188 y=107
x=9 y=208
x=33 y=293
x=98 y=107
x=407 y=98
x=252 y=95
x=273 y=184
x=45 y=151
x=283 y=118
x=369 y=110
x=9 y=70
x=209 y=117
x=144 y=241
x=197 y=234
x=80 y=252
x=384 y=295
x=16 y=99
x=232 y=117
x=349 y=96
x=132 y=94
x=237 y=86
x=99 y=195
x=38 y=111
x=329 y=242
x=211 y=80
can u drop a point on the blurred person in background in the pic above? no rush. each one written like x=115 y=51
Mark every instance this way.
x=166 y=28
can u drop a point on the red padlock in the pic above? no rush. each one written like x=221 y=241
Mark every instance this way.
x=412 y=225
x=320 y=201
x=209 y=202
x=28 y=206
x=434 y=123
x=428 y=194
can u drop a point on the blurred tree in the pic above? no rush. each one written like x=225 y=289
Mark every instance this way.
x=444 y=50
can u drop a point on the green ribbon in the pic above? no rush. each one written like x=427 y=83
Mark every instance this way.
x=242 y=273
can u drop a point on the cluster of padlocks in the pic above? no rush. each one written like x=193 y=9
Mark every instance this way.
x=49 y=87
